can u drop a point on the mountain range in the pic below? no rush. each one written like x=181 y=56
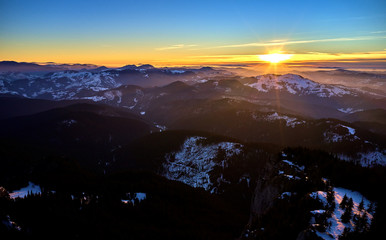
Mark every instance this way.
x=265 y=144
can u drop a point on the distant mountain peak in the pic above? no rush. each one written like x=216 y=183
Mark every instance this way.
x=206 y=68
x=146 y=66
x=128 y=67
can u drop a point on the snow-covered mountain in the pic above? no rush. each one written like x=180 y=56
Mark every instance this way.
x=56 y=85
x=296 y=84
x=194 y=163
x=85 y=83
x=366 y=80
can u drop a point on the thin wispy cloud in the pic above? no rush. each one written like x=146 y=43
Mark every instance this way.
x=377 y=32
x=176 y=46
x=303 y=57
x=291 y=42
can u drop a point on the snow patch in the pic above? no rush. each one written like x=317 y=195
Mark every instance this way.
x=373 y=158
x=285 y=195
x=350 y=130
x=337 y=226
x=290 y=121
x=95 y=98
x=291 y=177
x=301 y=168
x=160 y=127
x=367 y=159
x=349 y=110
x=332 y=136
x=194 y=162
x=177 y=71
x=321 y=211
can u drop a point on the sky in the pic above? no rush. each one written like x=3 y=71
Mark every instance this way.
x=116 y=33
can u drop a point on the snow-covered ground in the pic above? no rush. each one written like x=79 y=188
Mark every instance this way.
x=58 y=85
x=349 y=110
x=160 y=127
x=337 y=226
x=367 y=159
x=297 y=167
x=373 y=158
x=95 y=98
x=177 y=71
x=350 y=129
x=193 y=163
x=296 y=84
x=332 y=136
x=294 y=166
x=290 y=121
x=21 y=193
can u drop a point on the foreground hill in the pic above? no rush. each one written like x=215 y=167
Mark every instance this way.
x=191 y=185
x=85 y=131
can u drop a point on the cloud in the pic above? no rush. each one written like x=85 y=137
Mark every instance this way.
x=377 y=56
x=290 y=42
x=377 y=32
x=176 y=46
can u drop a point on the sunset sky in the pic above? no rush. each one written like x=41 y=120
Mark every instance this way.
x=115 y=33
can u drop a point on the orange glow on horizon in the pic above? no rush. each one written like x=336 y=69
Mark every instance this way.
x=114 y=59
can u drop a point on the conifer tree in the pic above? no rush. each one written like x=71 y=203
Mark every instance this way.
x=343 y=203
x=346 y=216
x=345 y=233
x=350 y=204
x=362 y=223
x=331 y=199
x=361 y=206
x=355 y=219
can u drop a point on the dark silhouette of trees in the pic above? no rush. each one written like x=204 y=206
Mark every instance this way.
x=330 y=199
x=361 y=206
x=343 y=203
x=346 y=216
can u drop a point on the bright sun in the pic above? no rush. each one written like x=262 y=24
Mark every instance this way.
x=275 y=57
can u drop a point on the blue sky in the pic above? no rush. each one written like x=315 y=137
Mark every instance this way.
x=144 y=26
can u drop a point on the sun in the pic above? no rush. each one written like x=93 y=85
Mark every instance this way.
x=275 y=57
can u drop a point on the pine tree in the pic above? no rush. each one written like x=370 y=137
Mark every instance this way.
x=350 y=204
x=356 y=220
x=346 y=216
x=365 y=222
x=361 y=206
x=345 y=233
x=331 y=199
x=361 y=223
x=343 y=203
